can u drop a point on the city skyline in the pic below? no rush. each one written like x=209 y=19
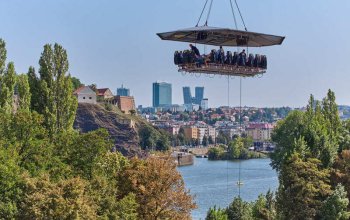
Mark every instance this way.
x=102 y=39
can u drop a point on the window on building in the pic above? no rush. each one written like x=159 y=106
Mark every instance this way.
x=83 y=97
x=90 y=97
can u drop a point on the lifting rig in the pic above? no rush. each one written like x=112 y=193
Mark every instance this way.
x=215 y=36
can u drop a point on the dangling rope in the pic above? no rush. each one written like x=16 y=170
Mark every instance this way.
x=240 y=134
x=208 y=16
x=200 y=17
x=233 y=14
x=241 y=15
x=228 y=103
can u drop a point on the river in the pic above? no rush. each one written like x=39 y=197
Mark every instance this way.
x=215 y=182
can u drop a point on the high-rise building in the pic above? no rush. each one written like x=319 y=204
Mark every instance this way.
x=204 y=104
x=123 y=91
x=162 y=94
x=199 y=95
x=187 y=95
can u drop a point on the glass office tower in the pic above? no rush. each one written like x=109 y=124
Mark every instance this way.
x=123 y=91
x=199 y=95
x=162 y=94
x=187 y=95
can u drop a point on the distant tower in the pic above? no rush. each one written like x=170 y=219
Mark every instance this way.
x=204 y=104
x=162 y=94
x=199 y=95
x=187 y=95
x=123 y=91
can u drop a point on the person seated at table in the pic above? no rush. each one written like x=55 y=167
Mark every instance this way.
x=221 y=55
x=242 y=58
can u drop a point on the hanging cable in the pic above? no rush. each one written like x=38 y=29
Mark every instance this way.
x=211 y=4
x=228 y=91
x=200 y=17
x=240 y=134
x=233 y=14
x=245 y=27
x=228 y=103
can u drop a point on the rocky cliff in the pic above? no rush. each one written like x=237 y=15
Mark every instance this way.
x=90 y=117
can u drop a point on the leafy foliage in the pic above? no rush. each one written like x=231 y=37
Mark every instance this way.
x=319 y=127
x=335 y=206
x=216 y=214
x=304 y=184
x=341 y=171
x=10 y=182
x=153 y=139
x=50 y=171
x=159 y=189
x=67 y=199
x=237 y=149
x=55 y=97
x=239 y=210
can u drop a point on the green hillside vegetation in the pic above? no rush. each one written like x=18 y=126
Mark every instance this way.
x=237 y=149
x=312 y=159
x=48 y=170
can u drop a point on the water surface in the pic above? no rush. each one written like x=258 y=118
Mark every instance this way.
x=215 y=182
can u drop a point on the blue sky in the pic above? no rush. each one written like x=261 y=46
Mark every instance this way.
x=114 y=42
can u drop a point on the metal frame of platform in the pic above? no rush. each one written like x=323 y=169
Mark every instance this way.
x=222 y=69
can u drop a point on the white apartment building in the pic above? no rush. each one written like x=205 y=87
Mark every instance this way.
x=260 y=131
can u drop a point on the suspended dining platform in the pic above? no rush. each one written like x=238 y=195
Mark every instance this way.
x=221 y=69
x=215 y=36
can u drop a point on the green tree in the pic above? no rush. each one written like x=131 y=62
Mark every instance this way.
x=10 y=183
x=107 y=171
x=319 y=127
x=222 y=138
x=3 y=54
x=304 y=184
x=127 y=208
x=335 y=206
x=24 y=95
x=34 y=88
x=23 y=132
x=81 y=151
x=341 y=171
x=210 y=140
x=76 y=83
x=7 y=85
x=58 y=103
x=159 y=189
x=216 y=153
x=239 y=210
x=163 y=143
x=67 y=199
x=284 y=135
x=235 y=148
x=216 y=214
x=205 y=141
x=264 y=207
x=148 y=137
x=344 y=138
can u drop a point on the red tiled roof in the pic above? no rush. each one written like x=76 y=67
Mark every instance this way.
x=260 y=126
x=78 y=90
x=102 y=91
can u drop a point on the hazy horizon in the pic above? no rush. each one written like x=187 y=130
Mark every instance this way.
x=111 y=43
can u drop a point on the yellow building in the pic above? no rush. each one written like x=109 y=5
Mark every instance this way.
x=191 y=132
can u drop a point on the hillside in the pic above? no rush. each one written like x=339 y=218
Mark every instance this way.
x=90 y=117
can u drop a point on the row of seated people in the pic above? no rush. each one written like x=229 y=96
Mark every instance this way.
x=217 y=57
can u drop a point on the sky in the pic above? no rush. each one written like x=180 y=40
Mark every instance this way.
x=114 y=42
